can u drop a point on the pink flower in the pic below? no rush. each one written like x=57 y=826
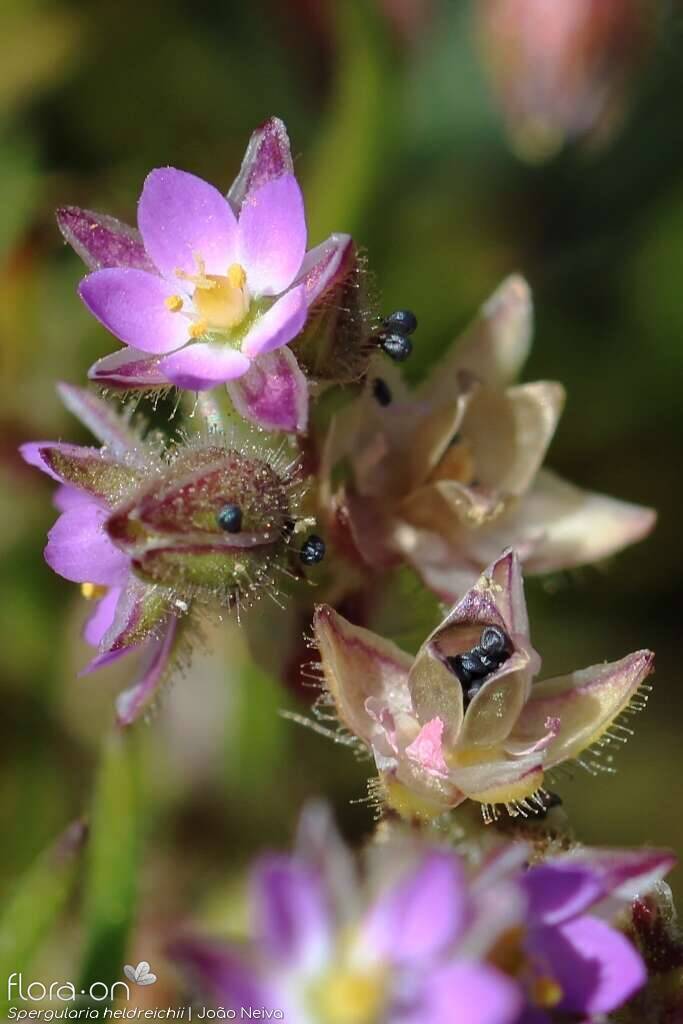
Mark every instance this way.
x=147 y=531
x=212 y=289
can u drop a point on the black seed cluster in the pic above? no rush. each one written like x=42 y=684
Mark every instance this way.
x=312 y=550
x=229 y=518
x=473 y=666
x=394 y=338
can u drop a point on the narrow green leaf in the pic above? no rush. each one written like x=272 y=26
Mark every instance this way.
x=111 y=881
x=36 y=902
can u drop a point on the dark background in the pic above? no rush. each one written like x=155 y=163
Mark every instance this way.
x=397 y=139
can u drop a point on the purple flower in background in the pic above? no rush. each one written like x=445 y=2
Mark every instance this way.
x=577 y=962
x=427 y=939
x=323 y=950
x=212 y=289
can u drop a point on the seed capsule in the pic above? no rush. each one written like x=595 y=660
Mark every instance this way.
x=229 y=518
x=402 y=320
x=312 y=550
x=381 y=392
x=397 y=346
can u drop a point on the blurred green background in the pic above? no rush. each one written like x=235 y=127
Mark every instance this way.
x=397 y=138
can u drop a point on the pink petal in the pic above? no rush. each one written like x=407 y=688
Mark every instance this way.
x=181 y=217
x=66 y=497
x=31 y=452
x=128 y=368
x=321 y=265
x=596 y=966
x=130 y=304
x=79 y=549
x=420 y=916
x=267 y=157
x=290 y=906
x=626 y=874
x=102 y=618
x=280 y=324
x=110 y=428
x=426 y=748
x=203 y=365
x=559 y=892
x=463 y=992
x=273 y=393
x=272 y=235
x=132 y=702
x=102 y=241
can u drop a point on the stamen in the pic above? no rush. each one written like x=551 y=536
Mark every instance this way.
x=174 y=303
x=198 y=328
x=237 y=275
x=93 y=591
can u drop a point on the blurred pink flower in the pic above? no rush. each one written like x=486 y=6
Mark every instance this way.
x=561 y=70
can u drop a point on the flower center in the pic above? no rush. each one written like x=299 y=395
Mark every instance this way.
x=221 y=302
x=348 y=996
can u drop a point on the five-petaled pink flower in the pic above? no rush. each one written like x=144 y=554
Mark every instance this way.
x=213 y=288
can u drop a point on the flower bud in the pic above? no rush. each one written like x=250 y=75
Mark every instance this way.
x=337 y=342
x=212 y=524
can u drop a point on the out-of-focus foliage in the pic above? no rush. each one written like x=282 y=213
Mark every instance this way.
x=397 y=138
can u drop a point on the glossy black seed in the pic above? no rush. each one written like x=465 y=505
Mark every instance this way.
x=489 y=662
x=396 y=345
x=468 y=667
x=494 y=641
x=312 y=550
x=381 y=392
x=229 y=518
x=402 y=320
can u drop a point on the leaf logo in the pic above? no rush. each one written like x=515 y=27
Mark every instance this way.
x=141 y=974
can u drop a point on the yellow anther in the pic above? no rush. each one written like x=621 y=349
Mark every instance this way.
x=236 y=275
x=198 y=328
x=93 y=591
x=546 y=993
x=174 y=303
